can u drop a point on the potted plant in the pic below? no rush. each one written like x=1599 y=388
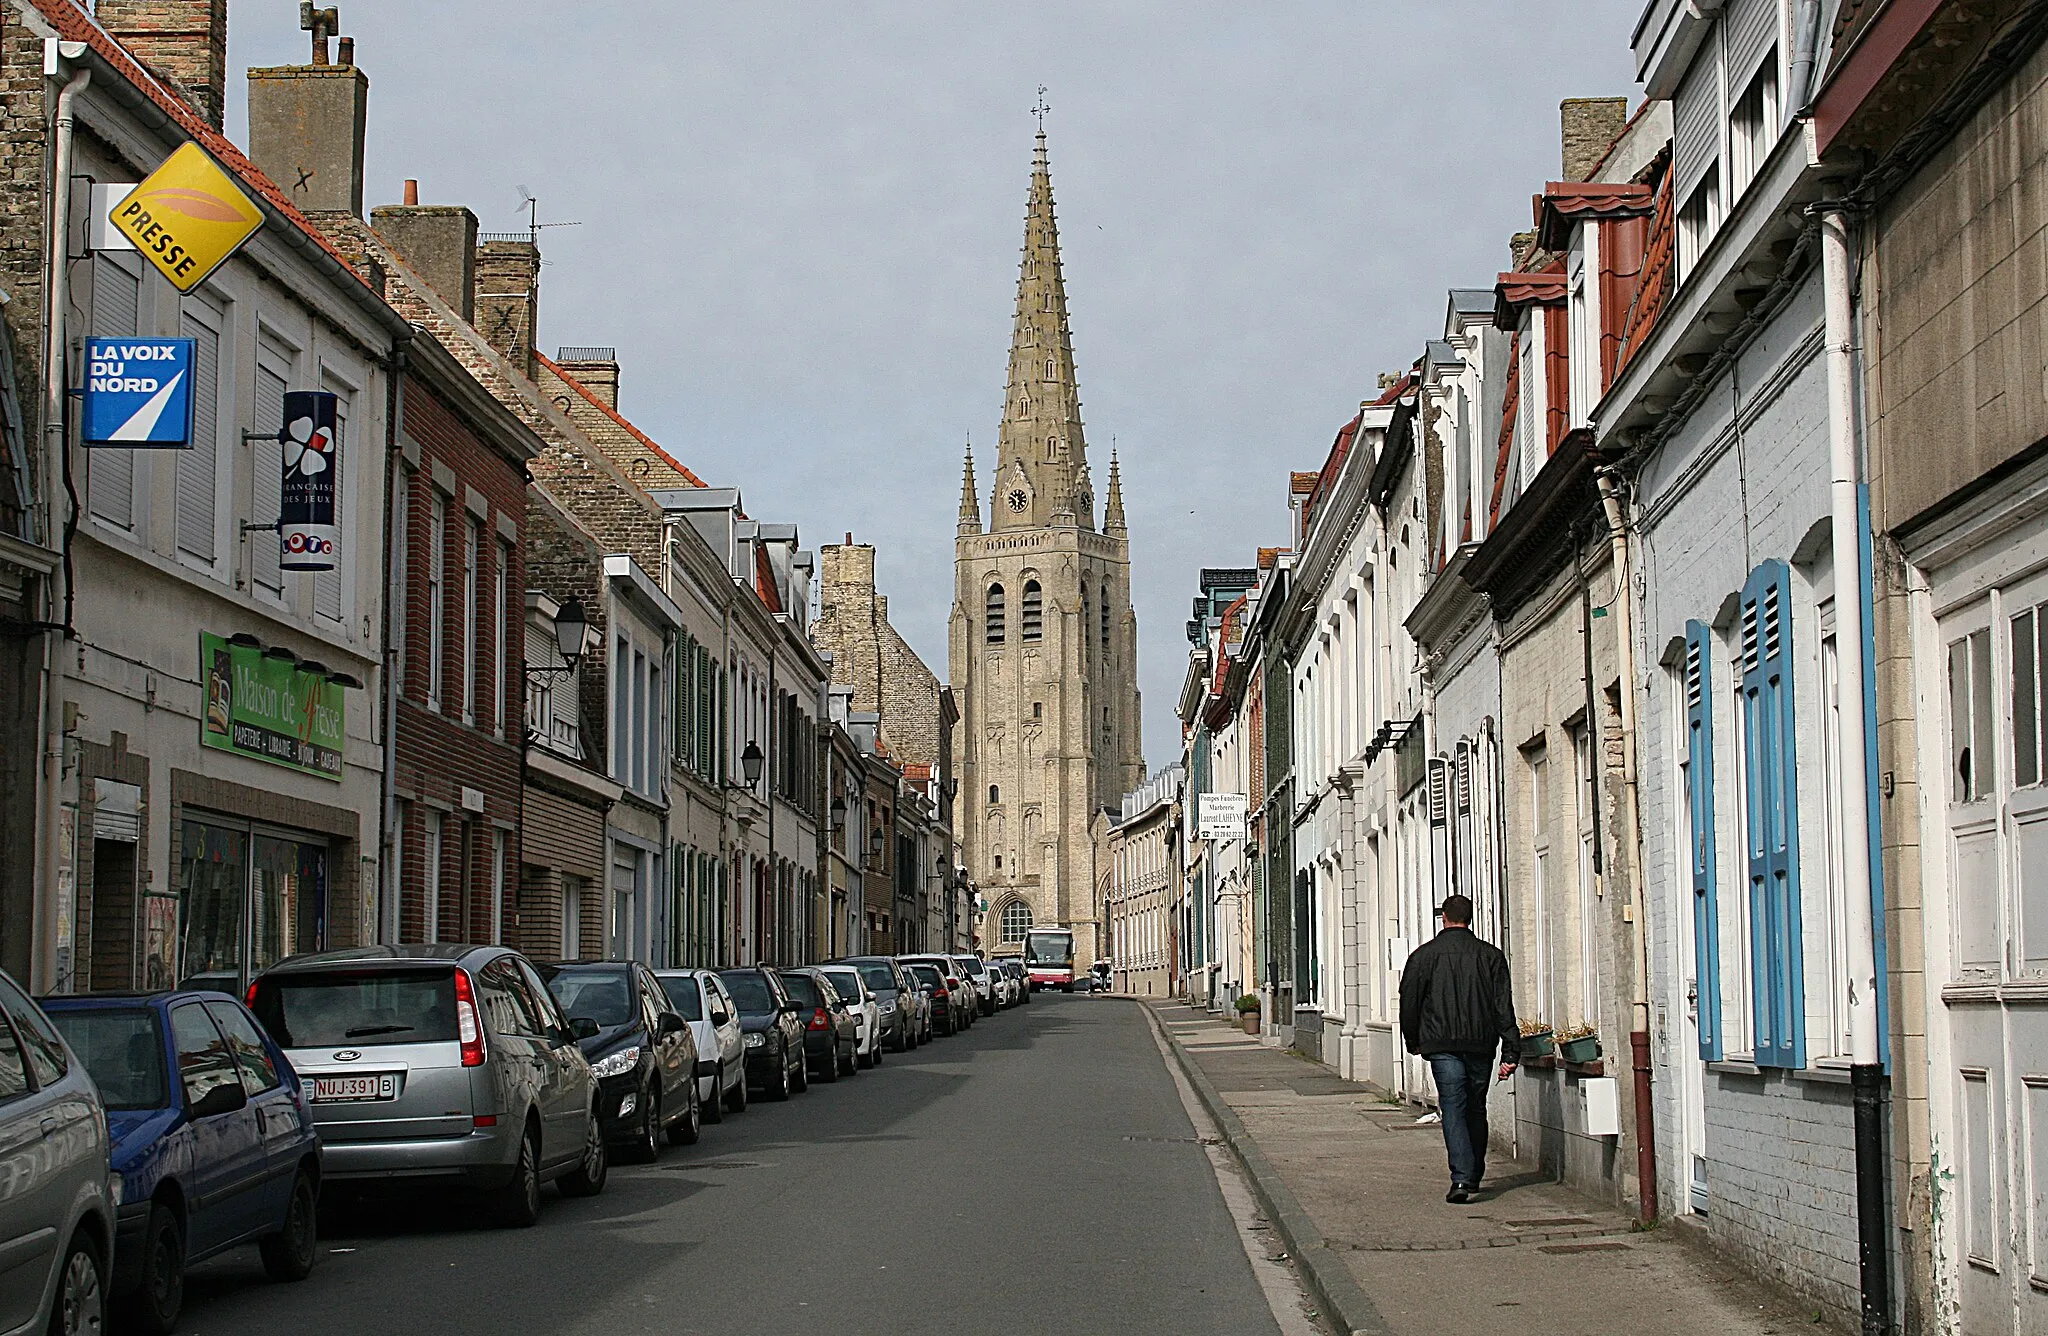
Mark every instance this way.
x=1248 y=1013
x=1579 y=1042
x=1536 y=1040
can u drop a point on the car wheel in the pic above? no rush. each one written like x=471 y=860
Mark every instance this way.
x=517 y=1204
x=587 y=1178
x=784 y=1085
x=714 y=1112
x=647 y=1140
x=737 y=1101
x=800 y=1079
x=80 y=1308
x=289 y=1254
x=154 y=1305
x=850 y=1062
x=685 y=1130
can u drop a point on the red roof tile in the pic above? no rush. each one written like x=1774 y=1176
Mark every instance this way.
x=612 y=413
x=1327 y=476
x=1563 y=202
x=1511 y=292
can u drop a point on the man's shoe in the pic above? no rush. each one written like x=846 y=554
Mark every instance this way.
x=1458 y=1195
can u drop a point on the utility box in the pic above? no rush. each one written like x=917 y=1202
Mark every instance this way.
x=1600 y=1106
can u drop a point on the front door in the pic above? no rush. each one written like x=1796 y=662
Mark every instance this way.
x=1995 y=771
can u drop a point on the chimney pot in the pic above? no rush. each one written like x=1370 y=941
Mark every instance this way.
x=412 y=192
x=348 y=50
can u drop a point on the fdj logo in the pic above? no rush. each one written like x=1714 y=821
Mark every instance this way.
x=309 y=544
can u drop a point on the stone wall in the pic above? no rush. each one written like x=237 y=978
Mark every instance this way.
x=886 y=674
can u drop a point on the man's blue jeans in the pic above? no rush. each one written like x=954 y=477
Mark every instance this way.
x=1462 y=1080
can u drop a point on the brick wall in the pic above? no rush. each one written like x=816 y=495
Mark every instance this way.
x=886 y=674
x=562 y=562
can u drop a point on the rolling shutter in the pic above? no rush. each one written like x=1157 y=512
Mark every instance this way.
x=1699 y=776
x=1752 y=29
x=1696 y=121
x=1771 y=833
x=197 y=520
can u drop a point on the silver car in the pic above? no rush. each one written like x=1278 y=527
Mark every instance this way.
x=56 y=1200
x=438 y=1064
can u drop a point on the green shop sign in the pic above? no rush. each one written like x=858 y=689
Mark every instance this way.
x=269 y=709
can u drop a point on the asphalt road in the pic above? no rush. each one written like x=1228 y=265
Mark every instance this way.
x=1036 y=1174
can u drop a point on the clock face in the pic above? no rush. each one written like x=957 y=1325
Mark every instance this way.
x=1018 y=501
x=1087 y=499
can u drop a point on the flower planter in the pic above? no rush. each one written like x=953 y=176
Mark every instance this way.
x=1536 y=1046
x=1251 y=1022
x=1580 y=1050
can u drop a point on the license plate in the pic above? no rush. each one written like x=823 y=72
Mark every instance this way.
x=340 y=1089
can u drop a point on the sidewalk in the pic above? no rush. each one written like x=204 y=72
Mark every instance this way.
x=1356 y=1190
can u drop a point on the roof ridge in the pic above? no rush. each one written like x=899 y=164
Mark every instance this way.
x=614 y=414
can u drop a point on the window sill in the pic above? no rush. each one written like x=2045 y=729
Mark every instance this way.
x=1735 y=1067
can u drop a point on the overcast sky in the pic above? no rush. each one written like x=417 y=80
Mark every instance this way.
x=800 y=225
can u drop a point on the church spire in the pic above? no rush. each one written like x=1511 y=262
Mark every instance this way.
x=1113 y=507
x=1040 y=450
x=970 y=505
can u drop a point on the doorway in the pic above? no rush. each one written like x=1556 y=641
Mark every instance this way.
x=250 y=895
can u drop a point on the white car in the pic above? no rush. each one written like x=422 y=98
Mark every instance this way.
x=866 y=1008
x=700 y=997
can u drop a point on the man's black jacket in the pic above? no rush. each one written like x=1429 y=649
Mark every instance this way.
x=1456 y=997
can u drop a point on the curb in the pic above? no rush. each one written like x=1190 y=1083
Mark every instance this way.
x=1329 y=1281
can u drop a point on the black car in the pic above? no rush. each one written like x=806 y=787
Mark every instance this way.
x=892 y=988
x=774 y=1030
x=831 y=1037
x=640 y=1050
x=945 y=1018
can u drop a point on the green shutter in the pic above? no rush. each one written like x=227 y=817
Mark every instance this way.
x=1777 y=984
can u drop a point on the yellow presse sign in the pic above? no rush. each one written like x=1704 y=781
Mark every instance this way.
x=187 y=217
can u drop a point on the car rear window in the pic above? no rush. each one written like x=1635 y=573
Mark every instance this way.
x=880 y=977
x=803 y=988
x=363 y=1008
x=847 y=986
x=602 y=995
x=123 y=1048
x=684 y=996
x=750 y=991
x=926 y=974
x=971 y=965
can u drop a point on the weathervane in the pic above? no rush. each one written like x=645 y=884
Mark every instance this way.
x=1042 y=108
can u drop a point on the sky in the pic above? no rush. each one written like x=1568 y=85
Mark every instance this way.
x=799 y=223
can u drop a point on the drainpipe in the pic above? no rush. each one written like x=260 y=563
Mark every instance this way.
x=1845 y=490
x=56 y=447
x=1805 y=49
x=1625 y=651
x=394 y=595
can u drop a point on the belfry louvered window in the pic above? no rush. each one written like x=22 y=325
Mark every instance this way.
x=1034 y=612
x=1105 y=621
x=993 y=617
x=1699 y=797
x=1771 y=819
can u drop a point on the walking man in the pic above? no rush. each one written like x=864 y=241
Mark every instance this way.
x=1457 y=1007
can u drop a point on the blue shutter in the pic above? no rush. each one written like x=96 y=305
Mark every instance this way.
x=1772 y=828
x=1699 y=771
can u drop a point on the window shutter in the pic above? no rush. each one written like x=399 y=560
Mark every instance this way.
x=1696 y=120
x=110 y=474
x=1706 y=915
x=1772 y=834
x=267 y=469
x=1752 y=30
x=196 y=518
x=683 y=715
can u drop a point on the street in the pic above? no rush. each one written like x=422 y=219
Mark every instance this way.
x=1035 y=1173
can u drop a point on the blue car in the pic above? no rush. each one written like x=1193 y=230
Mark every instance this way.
x=213 y=1141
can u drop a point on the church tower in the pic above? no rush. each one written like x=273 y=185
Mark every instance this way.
x=1044 y=642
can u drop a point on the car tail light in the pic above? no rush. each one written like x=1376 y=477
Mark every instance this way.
x=250 y=1000
x=820 y=1020
x=469 y=1027
x=940 y=994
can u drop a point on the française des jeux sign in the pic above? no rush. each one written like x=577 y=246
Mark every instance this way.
x=138 y=393
x=269 y=709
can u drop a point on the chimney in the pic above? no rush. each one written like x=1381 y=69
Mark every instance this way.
x=437 y=242
x=507 y=303
x=306 y=129
x=595 y=369
x=182 y=42
x=1590 y=126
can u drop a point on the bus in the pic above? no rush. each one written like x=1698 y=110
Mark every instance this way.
x=1049 y=958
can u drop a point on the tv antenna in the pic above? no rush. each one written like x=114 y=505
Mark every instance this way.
x=534 y=226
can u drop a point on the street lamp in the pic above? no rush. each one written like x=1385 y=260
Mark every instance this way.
x=875 y=842
x=838 y=815
x=750 y=764
x=572 y=625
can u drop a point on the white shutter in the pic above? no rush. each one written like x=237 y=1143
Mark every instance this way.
x=267 y=479
x=1696 y=120
x=196 y=506
x=1752 y=29
x=110 y=474
x=327 y=584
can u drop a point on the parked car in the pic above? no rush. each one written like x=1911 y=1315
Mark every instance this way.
x=438 y=1064
x=699 y=997
x=906 y=1012
x=222 y=1156
x=1019 y=977
x=975 y=971
x=964 y=1002
x=640 y=1050
x=1006 y=992
x=867 y=1011
x=57 y=1210
x=947 y=1019
x=774 y=1032
x=831 y=1038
